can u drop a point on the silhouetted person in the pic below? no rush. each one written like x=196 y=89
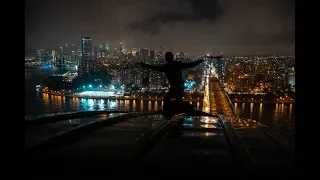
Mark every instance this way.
x=173 y=71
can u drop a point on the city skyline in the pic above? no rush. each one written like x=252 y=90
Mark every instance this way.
x=197 y=27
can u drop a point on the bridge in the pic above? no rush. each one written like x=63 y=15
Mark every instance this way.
x=254 y=135
x=102 y=142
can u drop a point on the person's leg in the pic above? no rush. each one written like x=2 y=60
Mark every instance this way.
x=167 y=98
x=178 y=95
x=169 y=95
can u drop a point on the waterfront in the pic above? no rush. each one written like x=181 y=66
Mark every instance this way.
x=56 y=104
x=277 y=116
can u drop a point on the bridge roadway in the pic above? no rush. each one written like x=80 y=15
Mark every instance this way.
x=265 y=147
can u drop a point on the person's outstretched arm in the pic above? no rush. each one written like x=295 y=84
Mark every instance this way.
x=192 y=64
x=156 y=68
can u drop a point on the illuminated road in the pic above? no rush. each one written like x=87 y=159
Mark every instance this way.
x=254 y=135
x=206 y=97
x=215 y=99
x=221 y=104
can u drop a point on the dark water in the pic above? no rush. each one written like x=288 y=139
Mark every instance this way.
x=276 y=116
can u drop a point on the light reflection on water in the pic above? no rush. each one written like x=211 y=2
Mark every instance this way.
x=55 y=104
x=278 y=116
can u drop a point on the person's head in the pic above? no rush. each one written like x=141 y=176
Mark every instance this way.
x=169 y=56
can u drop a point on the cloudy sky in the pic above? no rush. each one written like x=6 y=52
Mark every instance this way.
x=234 y=27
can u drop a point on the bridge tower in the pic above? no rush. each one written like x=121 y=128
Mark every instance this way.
x=218 y=63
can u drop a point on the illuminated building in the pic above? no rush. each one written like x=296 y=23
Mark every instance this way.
x=291 y=80
x=120 y=49
x=144 y=53
x=189 y=85
x=134 y=51
x=103 y=50
x=221 y=69
x=152 y=54
x=160 y=50
x=40 y=55
x=86 y=50
x=53 y=54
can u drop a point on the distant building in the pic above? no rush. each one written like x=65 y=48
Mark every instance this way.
x=53 y=54
x=103 y=50
x=152 y=54
x=63 y=55
x=40 y=55
x=134 y=51
x=190 y=76
x=160 y=50
x=291 y=79
x=86 y=63
x=120 y=49
x=144 y=53
x=221 y=69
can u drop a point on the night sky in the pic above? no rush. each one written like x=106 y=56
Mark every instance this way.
x=234 y=27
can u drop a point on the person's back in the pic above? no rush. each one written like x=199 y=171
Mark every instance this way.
x=173 y=71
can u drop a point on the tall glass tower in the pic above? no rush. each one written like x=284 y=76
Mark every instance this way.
x=86 y=63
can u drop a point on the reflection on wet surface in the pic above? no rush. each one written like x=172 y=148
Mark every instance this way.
x=201 y=134
x=200 y=122
x=193 y=139
x=37 y=133
x=28 y=118
x=108 y=142
x=144 y=122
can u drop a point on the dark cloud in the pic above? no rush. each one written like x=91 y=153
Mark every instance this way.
x=205 y=9
x=199 y=10
x=195 y=26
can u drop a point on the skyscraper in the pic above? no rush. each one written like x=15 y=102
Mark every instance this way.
x=221 y=69
x=53 y=54
x=160 y=50
x=144 y=53
x=78 y=55
x=120 y=49
x=86 y=51
x=135 y=51
x=40 y=55
x=73 y=54
x=152 y=55
x=103 y=49
x=66 y=53
x=107 y=47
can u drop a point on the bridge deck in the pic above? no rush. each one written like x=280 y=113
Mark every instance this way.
x=268 y=150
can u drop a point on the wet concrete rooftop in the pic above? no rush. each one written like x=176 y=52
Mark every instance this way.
x=147 y=143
